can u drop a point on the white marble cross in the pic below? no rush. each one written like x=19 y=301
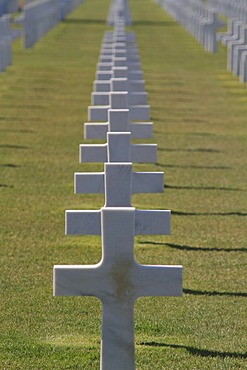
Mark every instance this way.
x=118 y=85
x=120 y=183
x=118 y=149
x=131 y=57
x=118 y=121
x=118 y=280
x=119 y=100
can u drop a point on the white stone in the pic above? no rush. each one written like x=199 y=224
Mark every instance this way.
x=118 y=121
x=140 y=182
x=118 y=281
x=133 y=86
x=109 y=152
x=131 y=57
x=118 y=84
x=5 y=42
x=119 y=72
x=82 y=223
x=41 y=16
x=243 y=67
x=118 y=100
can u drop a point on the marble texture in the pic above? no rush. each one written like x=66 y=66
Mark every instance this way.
x=200 y=21
x=231 y=47
x=130 y=37
x=115 y=175
x=119 y=100
x=119 y=72
x=5 y=42
x=134 y=98
x=131 y=57
x=82 y=222
x=142 y=182
x=118 y=281
x=118 y=121
x=118 y=62
x=118 y=148
x=133 y=86
x=243 y=67
x=110 y=152
x=119 y=85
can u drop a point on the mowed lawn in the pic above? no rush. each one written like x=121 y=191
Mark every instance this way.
x=199 y=112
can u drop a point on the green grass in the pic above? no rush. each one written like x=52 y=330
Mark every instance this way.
x=199 y=114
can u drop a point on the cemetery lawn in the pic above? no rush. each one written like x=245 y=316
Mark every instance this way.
x=199 y=113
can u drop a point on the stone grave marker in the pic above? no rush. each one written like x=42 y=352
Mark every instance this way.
x=119 y=100
x=118 y=121
x=118 y=280
x=118 y=149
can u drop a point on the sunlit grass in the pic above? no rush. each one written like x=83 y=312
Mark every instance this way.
x=199 y=114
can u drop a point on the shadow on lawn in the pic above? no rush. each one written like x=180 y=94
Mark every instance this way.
x=17 y=131
x=85 y=21
x=179 y=213
x=166 y=186
x=157 y=23
x=197 y=351
x=197 y=150
x=9 y=165
x=214 y=293
x=163 y=165
x=194 y=249
x=9 y=146
x=6 y=186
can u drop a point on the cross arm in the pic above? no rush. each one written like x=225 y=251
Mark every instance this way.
x=77 y=280
x=89 y=183
x=147 y=182
x=82 y=222
x=93 y=153
x=152 y=222
x=158 y=280
x=95 y=130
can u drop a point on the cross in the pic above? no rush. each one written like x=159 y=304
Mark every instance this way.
x=133 y=85
x=118 y=281
x=119 y=85
x=131 y=57
x=119 y=100
x=119 y=181
x=207 y=31
x=118 y=149
x=118 y=121
x=118 y=62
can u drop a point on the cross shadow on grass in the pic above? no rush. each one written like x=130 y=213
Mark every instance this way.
x=9 y=165
x=85 y=21
x=9 y=146
x=17 y=131
x=197 y=150
x=214 y=293
x=163 y=165
x=197 y=351
x=155 y=23
x=194 y=249
x=6 y=186
x=166 y=186
x=179 y=213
